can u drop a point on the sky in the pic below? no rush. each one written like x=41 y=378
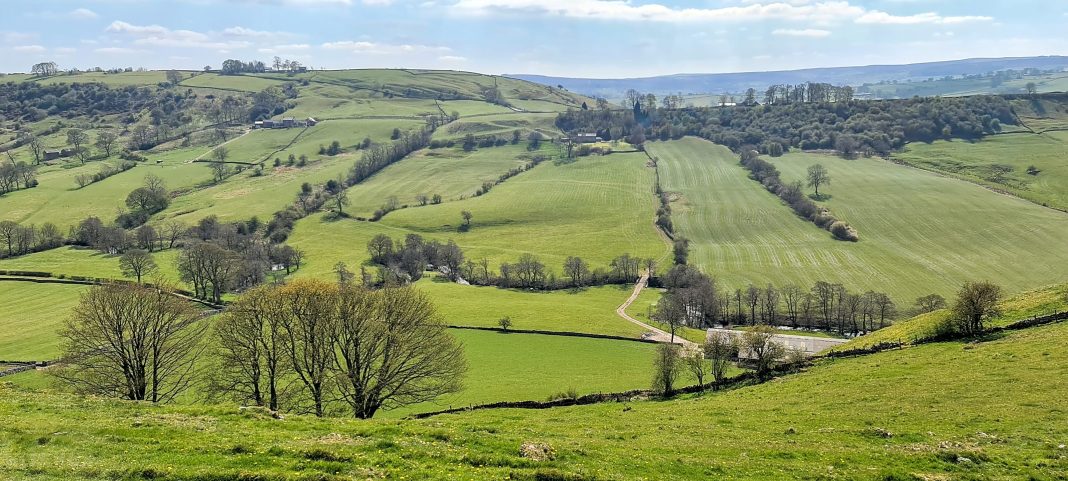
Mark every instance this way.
x=571 y=38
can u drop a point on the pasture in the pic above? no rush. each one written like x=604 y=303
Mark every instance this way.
x=32 y=314
x=984 y=161
x=77 y=261
x=450 y=173
x=590 y=310
x=919 y=232
x=596 y=208
x=988 y=410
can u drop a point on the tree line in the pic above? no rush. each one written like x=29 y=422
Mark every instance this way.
x=697 y=300
x=793 y=194
x=308 y=346
x=852 y=126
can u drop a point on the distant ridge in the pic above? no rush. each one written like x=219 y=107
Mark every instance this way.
x=737 y=82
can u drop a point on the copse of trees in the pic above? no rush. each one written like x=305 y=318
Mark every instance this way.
x=793 y=194
x=380 y=156
x=33 y=101
x=341 y=344
x=16 y=239
x=871 y=127
x=16 y=176
x=697 y=300
x=144 y=201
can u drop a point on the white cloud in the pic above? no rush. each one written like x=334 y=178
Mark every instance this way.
x=159 y=36
x=65 y=50
x=808 y=32
x=452 y=58
x=377 y=3
x=29 y=49
x=375 y=48
x=284 y=49
x=83 y=13
x=250 y=33
x=117 y=50
x=879 y=17
x=624 y=10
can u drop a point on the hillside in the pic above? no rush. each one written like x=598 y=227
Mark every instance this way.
x=856 y=76
x=919 y=232
x=985 y=410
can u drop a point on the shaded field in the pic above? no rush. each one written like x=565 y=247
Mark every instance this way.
x=920 y=232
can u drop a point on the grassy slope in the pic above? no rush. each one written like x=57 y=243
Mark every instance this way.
x=1039 y=302
x=32 y=314
x=71 y=261
x=920 y=232
x=450 y=173
x=972 y=161
x=996 y=403
x=591 y=310
x=596 y=208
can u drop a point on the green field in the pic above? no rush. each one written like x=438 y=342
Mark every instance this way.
x=450 y=173
x=973 y=161
x=77 y=261
x=596 y=208
x=32 y=314
x=590 y=310
x=988 y=410
x=920 y=232
x=519 y=367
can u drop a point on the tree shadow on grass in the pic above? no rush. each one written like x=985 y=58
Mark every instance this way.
x=820 y=197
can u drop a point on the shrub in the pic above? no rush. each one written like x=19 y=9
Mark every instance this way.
x=844 y=231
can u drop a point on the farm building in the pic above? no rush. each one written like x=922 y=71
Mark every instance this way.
x=289 y=122
x=52 y=154
x=311 y=122
x=585 y=138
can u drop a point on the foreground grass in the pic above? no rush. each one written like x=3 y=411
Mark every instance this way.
x=988 y=410
x=919 y=232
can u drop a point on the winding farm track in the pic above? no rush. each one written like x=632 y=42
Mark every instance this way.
x=658 y=335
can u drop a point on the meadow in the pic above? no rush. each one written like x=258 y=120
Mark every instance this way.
x=450 y=173
x=984 y=410
x=977 y=161
x=595 y=207
x=32 y=315
x=80 y=261
x=919 y=232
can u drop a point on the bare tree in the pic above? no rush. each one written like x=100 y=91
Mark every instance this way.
x=666 y=369
x=817 y=176
x=309 y=318
x=577 y=270
x=137 y=263
x=251 y=355
x=77 y=138
x=131 y=342
x=720 y=349
x=34 y=144
x=393 y=350
x=171 y=231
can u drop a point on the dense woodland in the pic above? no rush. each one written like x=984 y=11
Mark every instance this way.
x=852 y=126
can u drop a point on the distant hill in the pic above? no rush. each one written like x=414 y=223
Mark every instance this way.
x=737 y=82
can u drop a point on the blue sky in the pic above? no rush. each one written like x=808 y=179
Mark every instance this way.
x=577 y=38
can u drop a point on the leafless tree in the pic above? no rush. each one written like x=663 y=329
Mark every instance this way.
x=577 y=270
x=105 y=140
x=131 y=342
x=393 y=350
x=697 y=364
x=252 y=361
x=309 y=318
x=137 y=263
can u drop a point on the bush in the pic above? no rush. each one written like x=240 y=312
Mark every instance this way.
x=844 y=231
